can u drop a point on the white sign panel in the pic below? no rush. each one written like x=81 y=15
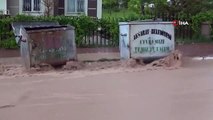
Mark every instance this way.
x=124 y=41
x=151 y=40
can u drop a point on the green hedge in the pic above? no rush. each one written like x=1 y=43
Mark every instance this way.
x=202 y=17
x=82 y=24
x=78 y=22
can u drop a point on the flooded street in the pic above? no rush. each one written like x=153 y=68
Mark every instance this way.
x=111 y=94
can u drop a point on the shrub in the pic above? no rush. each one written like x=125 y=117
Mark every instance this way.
x=9 y=43
x=82 y=24
x=202 y=17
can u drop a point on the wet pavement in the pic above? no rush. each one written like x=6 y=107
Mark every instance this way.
x=180 y=94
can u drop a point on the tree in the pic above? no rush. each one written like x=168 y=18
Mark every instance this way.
x=187 y=7
x=207 y=5
x=144 y=6
x=49 y=6
x=120 y=3
x=109 y=4
x=135 y=5
x=160 y=6
x=190 y=6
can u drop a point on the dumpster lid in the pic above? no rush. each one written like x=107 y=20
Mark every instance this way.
x=49 y=27
x=17 y=25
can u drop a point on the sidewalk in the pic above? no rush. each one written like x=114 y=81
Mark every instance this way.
x=81 y=57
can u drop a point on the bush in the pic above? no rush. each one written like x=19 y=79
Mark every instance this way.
x=202 y=17
x=10 y=43
x=82 y=24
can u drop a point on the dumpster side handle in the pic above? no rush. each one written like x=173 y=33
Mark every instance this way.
x=20 y=38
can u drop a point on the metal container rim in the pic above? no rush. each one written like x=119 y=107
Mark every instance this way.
x=143 y=23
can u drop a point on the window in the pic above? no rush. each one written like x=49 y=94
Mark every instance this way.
x=75 y=6
x=31 y=5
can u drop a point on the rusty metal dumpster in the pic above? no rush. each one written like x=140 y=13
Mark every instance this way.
x=148 y=40
x=18 y=25
x=51 y=43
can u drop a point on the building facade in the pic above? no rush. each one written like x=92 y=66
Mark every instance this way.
x=56 y=7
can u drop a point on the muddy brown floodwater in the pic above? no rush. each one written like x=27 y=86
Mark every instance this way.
x=114 y=93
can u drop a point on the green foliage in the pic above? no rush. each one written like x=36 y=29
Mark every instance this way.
x=83 y=25
x=191 y=7
x=197 y=38
x=110 y=4
x=115 y=5
x=202 y=17
x=111 y=25
x=160 y=5
x=118 y=14
x=9 y=43
x=135 y=5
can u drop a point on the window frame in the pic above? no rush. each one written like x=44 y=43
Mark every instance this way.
x=32 y=6
x=76 y=7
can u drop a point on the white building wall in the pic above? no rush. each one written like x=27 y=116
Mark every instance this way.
x=99 y=9
x=13 y=7
x=3 y=6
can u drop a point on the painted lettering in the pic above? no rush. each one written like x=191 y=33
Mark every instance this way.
x=161 y=32
x=141 y=33
x=151 y=41
x=53 y=53
x=152 y=49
